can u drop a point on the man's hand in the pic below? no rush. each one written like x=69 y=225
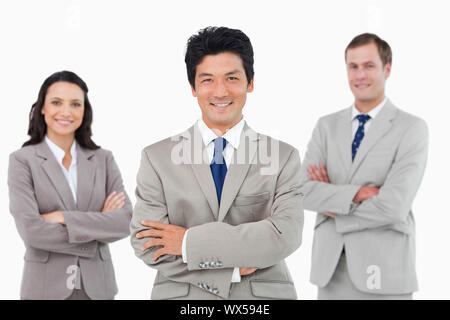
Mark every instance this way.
x=246 y=271
x=114 y=201
x=365 y=193
x=54 y=217
x=169 y=236
x=320 y=174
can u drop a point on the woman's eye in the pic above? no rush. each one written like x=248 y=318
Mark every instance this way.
x=56 y=103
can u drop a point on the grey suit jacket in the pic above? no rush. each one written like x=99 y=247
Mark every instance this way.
x=37 y=185
x=379 y=233
x=258 y=223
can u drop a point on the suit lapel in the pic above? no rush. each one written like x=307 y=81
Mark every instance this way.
x=202 y=172
x=237 y=171
x=378 y=128
x=344 y=134
x=86 y=169
x=54 y=172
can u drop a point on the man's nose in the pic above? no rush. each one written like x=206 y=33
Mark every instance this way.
x=220 y=89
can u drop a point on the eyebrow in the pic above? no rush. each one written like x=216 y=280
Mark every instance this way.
x=366 y=62
x=204 y=74
x=58 y=98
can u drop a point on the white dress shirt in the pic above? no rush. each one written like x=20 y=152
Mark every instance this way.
x=233 y=137
x=372 y=113
x=71 y=174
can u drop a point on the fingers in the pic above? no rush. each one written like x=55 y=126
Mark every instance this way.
x=158 y=253
x=312 y=172
x=114 y=201
x=155 y=224
x=153 y=242
x=150 y=233
x=324 y=173
x=329 y=214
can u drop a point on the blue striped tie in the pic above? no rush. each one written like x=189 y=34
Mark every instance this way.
x=218 y=165
x=362 y=118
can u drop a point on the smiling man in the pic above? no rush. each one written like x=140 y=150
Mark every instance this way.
x=219 y=225
x=361 y=172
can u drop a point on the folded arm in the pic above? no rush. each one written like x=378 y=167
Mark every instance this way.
x=258 y=244
x=320 y=196
x=151 y=205
x=33 y=229
x=393 y=203
x=106 y=226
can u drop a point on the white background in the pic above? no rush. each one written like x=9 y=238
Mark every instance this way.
x=131 y=55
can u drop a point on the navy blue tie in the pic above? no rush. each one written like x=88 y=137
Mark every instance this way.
x=362 y=118
x=218 y=165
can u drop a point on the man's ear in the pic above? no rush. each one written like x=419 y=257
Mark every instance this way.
x=388 y=70
x=193 y=91
x=250 y=86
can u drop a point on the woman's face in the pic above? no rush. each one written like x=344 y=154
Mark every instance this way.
x=63 y=109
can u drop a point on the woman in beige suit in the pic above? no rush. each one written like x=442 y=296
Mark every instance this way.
x=67 y=198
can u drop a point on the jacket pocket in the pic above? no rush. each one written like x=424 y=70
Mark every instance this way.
x=169 y=290
x=275 y=289
x=36 y=255
x=104 y=252
x=246 y=200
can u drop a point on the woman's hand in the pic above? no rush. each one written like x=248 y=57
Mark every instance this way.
x=54 y=217
x=114 y=202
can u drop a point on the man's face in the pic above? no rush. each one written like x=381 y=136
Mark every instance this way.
x=366 y=73
x=221 y=88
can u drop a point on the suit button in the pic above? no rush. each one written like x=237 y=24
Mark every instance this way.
x=206 y=264
x=219 y=264
x=213 y=264
x=215 y=291
x=201 y=265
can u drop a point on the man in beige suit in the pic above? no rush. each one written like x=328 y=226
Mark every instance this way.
x=218 y=206
x=361 y=172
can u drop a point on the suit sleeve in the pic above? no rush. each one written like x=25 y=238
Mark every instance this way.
x=320 y=196
x=393 y=203
x=33 y=229
x=102 y=226
x=258 y=244
x=151 y=205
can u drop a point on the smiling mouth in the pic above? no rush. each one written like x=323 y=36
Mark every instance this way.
x=362 y=86
x=221 y=105
x=64 y=122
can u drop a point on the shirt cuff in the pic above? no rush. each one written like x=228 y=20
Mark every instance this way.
x=183 y=247
x=236 y=275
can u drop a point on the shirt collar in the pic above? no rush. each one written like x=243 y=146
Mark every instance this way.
x=372 y=113
x=233 y=135
x=59 y=153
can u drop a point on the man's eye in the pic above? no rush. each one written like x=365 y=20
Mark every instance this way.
x=206 y=80
x=233 y=78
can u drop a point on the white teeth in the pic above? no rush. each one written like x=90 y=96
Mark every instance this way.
x=221 y=105
x=362 y=86
x=63 y=121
